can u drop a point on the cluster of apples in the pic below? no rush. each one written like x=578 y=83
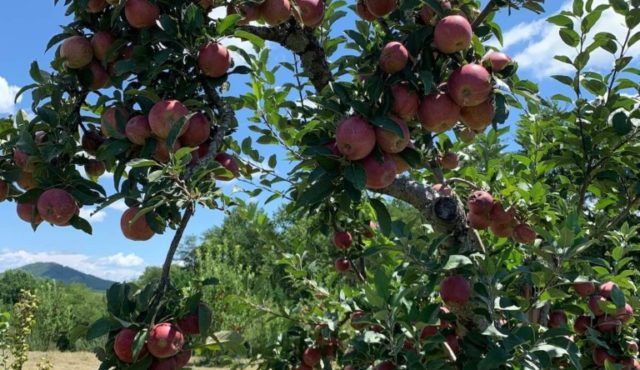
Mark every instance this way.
x=276 y=12
x=485 y=213
x=343 y=240
x=165 y=342
x=607 y=323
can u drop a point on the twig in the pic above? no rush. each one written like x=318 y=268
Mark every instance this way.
x=175 y=242
x=484 y=14
x=461 y=180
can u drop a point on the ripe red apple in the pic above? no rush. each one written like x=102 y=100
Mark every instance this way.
x=480 y=202
x=455 y=290
x=76 y=51
x=190 y=325
x=229 y=162
x=625 y=313
x=27 y=212
x=138 y=130
x=311 y=356
x=449 y=161
x=629 y=363
x=466 y=135
x=389 y=141
x=342 y=239
x=380 y=8
x=401 y=165
x=96 y=6
x=95 y=168
x=608 y=324
x=633 y=347
x=4 y=191
x=198 y=131
x=275 y=12
x=26 y=180
x=557 y=319
x=123 y=345
x=248 y=12
x=141 y=13
x=524 y=234
x=164 y=114
x=355 y=138
x=342 y=264
x=99 y=77
x=109 y=122
x=500 y=216
x=594 y=304
x=438 y=113
x=496 y=60
x=500 y=230
x=452 y=34
x=162 y=153
x=380 y=174
x=91 y=141
x=138 y=230
x=479 y=221
x=443 y=190
x=469 y=85
x=363 y=12
x=182 y=358
x=57 y=207
x=311 y=12
x=428 y=331
x=584 y=289
x=214 y=59
x=405 y=101
x=21 y=160
x=581 y=324
x=426 y=13
x=394 y=56
x=356 y=320
x=101 y=42
x=164 y=364
x=607 y=288
x=454 y=344
x=165 y=340
x=600 y=356
x=478 y=117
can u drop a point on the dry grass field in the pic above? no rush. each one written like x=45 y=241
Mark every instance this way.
x=75 y=361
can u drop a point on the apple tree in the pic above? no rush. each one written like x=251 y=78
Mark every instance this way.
x=525 y=256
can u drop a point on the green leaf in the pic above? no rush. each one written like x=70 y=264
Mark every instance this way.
x=176 y=129
x=570 y=37
x=316 y=193
x=457 y=261
x=620 y=6
x=255 y=40
x=388 y=124
x=561 y=20
x=356 y=175
x=141 y=162
x=621 y=123
x=227 y=22
x=205 y=318
x=101 y=327
x=578 y=7
x=617 y=296
x=383 y=216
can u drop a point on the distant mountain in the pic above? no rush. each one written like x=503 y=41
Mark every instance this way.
x=66 y=275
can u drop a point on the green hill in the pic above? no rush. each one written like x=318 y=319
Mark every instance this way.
x=66 y=275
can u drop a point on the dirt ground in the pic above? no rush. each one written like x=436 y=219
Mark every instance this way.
x=75 y=361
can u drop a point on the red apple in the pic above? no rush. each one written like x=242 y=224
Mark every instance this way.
x=99 y=77
x=594 y=304
x=629 y=363
x=633 y=347
x=275 y=12
x=355 y=138
x=394 y=57
x=96 y=6
x=4 y=191
x=57 y=206
x=443 y=190
x=405 y=101
x=27 y=212
x=625 y=313
x=480 y=202
x=190 y=325
x=164 y=364
x=581 y=324
x=452 y=34
x=380 y=8
x=479 y=221
x=21 y=160
x=438 y=113
x=469 y=85
x=390 y=141
x=109 y=122
x=357 y=317
x=311 y=12
x=26 y=180
x=607 y=288
x=198 y=131
x=161 y=152
x=248 y=12
x=342 y=239
x=478 y=117
x=95 y=168
x=182 y=358
x=455 y=290
x=426 y=13
x=123 y=345
x=138 y=130
x=496 y=60
x=449 y=161
x=214 y=59
x=138 y=230
x=401 y=165
x=165 y=340
x=557 y=319
x=91 y=141
x=524 y=234
x=380 y=174
x=428 y=331
x=363 y=12
x=164 y=114
x=584 y=289
x=608 y=324
x=500 y=230
x=229 y=162
x=500 y=216
x=600 y=356
x=342 y=264
x=311 y=356
x=141 y=13
x=76 y=51
x=466 y=135
x=101 y=42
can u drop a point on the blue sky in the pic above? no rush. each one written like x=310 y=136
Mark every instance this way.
x=528 y=38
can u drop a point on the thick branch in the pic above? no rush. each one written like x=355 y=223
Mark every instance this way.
x=303 y=42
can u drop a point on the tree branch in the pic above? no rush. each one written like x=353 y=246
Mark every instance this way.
x=484 y=14
x=175 y=242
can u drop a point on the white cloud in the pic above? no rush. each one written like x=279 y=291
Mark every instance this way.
x=7 y=96
x=97 y=217
x=118 y=267
x=537 y=42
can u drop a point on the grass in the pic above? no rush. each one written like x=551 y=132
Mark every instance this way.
x=75 y=361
